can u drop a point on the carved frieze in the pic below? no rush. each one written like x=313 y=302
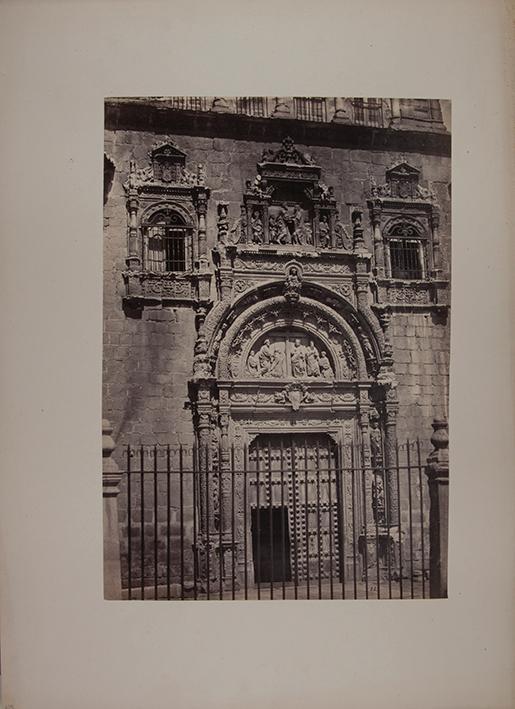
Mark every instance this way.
x=409 y=295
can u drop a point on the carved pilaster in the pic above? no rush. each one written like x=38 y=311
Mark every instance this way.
x=201 y=196
x=375 y=214
x=357 y=230
x=435 y=223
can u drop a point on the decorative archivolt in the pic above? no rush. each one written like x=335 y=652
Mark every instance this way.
x=182 y=208
x=407 y=222
x=319 y=326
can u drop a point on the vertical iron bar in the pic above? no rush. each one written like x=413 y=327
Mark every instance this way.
x=319 y=531
x=386 y=490
x=258 y=521
x=399 y=517
x=220 y=516
x=195 y=483
x=410 y=516
x=233 y=550
x=306 y=518
x=208 y=529
x=129 y=520
x=295 y=540
x=364 y=500
x=353 y=493
x=422 y=546
x=245 y=521
x=155 y=522
x=271 y=520
x=378 y=579
x=181 y=513
x=330 y=502
x=283 y=544
x=142 y=523
x=168 y=520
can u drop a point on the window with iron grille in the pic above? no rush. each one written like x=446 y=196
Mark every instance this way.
x=368 y=111
x=310 y=109
x=252 y=105
x=188 y=103
x=167 y=242
x=407 y=259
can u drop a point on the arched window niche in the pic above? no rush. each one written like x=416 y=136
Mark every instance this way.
x=407 y=256
x=167 y=242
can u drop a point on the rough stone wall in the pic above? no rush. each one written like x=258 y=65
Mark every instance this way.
x=421 y=362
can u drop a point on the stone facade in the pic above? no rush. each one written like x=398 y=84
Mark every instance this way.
x=264 y=275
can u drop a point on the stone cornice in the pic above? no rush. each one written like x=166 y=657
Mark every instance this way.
x=157 y=119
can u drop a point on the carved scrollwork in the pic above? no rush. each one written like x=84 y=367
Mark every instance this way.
x=408 y=295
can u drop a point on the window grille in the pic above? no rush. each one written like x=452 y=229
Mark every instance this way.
x=368 y=112
x=407 y=257
x=252 y=106
x=167 y=244
x=188 y=103
x=310 y=109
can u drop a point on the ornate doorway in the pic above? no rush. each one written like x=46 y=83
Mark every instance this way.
x=295 y=500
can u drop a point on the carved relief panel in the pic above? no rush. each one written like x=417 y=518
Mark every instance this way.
x=289 y=354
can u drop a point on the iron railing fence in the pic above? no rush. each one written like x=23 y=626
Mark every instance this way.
x=285 y=523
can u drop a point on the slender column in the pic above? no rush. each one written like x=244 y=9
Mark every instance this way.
x=201 y=205
x=111 y=477
x=357 y=230
x=390 y=455
x=437 y=472
x=378 y=239
x=435 y=223
x=133 y=245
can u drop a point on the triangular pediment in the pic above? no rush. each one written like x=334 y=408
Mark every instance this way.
x=403 y=168
x=168 y=150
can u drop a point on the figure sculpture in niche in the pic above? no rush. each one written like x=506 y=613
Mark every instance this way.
x=292 y=285
x=312 y=361
x=325 y=366
x=323 y=232
x=298 y=359
x=273 y=230
x=256 y=225
x=265 y=357
x=277 y=364
x=253 y=363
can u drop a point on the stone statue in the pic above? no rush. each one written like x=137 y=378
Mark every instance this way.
x=378 y=501
x=265 y=357
x=312 y=361
x=292 y=285
x=308 y=233
x=283 y=233
x=298 y=360
x=277 y=364
x=376 y=446
x=256 y=227
x=253 y=363
x=323 y=232
x=325 y=366
x=343 y=240
x=273 y=229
